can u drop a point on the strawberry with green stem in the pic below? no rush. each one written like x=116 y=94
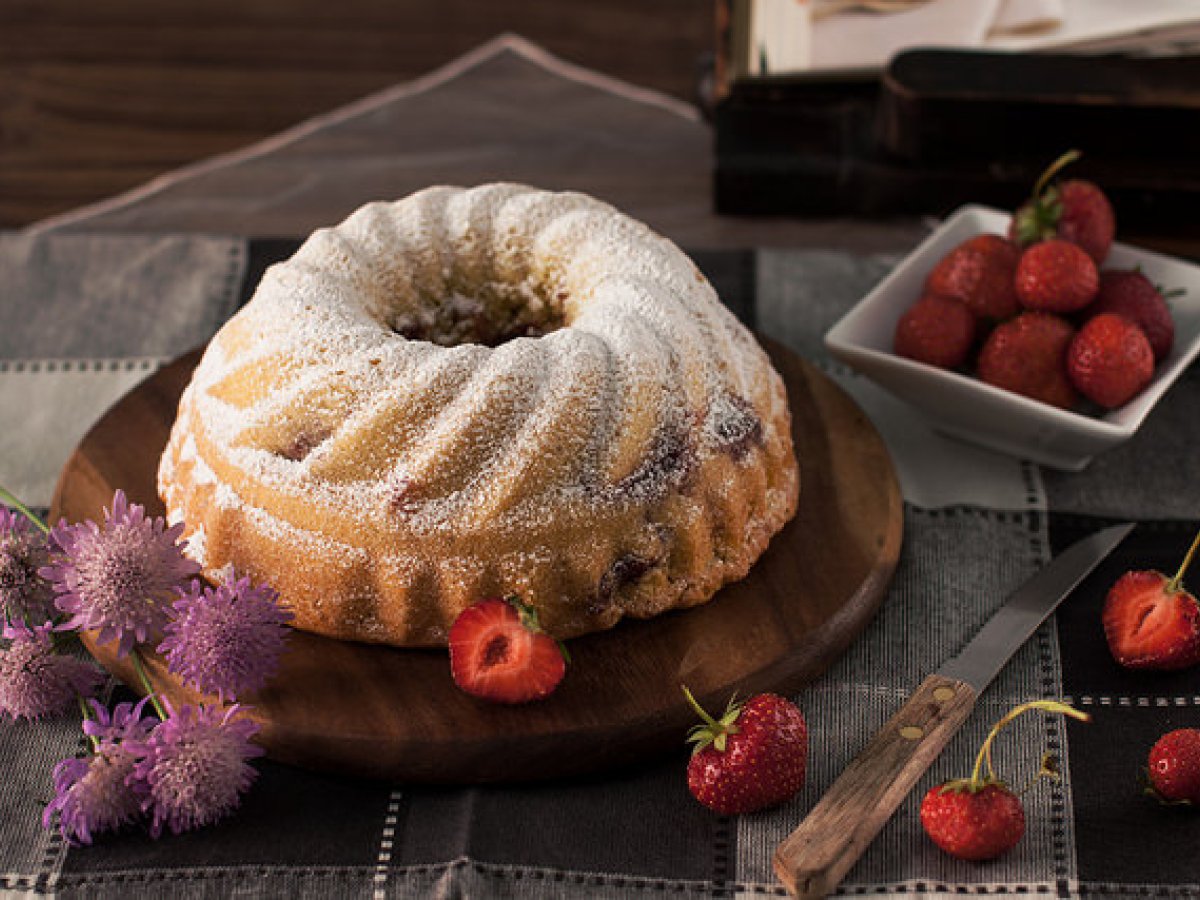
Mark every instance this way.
x=1076 y=211
x=979 y=817
x=753 y=757
x=1152 y=622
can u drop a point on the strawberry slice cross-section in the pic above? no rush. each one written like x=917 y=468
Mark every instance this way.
x=499 y=652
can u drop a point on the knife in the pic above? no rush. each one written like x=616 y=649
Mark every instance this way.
x=813 y=859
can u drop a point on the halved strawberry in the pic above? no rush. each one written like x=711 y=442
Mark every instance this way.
x=1149 y=625
x=499 y=652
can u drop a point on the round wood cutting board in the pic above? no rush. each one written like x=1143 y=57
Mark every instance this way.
x=394 y=713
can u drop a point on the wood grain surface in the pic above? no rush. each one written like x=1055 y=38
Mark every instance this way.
x=817 y=855
x=380 y=711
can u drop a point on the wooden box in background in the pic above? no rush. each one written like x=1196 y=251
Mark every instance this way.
x=938 y=128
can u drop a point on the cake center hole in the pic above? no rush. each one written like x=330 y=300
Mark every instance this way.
x=489 y=314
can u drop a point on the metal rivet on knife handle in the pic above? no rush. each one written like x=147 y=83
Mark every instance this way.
x=816 y=856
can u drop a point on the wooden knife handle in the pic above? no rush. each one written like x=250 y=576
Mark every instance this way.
x=817 y=855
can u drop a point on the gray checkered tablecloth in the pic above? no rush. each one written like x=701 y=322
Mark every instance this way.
x=84 y=317
x=94 y=301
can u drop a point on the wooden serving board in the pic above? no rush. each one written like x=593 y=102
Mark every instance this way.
x=386 y=712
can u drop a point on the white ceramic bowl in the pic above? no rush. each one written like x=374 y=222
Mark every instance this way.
x=966 y=407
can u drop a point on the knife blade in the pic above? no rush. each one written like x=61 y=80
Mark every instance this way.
x=812 y=860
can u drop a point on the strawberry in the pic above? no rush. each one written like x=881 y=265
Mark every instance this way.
x=1076 y=211
x=1028 y=355
x=979 y=274
x=936 y=330
x=753 y=757
x=499 y=652
x=1152 y=622
x=1129 y=293
x=1173 y=767
x=1055 y=276
x=1110 y=360
x=979 y=818
x=975 y=824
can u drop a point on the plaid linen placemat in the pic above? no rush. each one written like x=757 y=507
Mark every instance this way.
x=84 y=317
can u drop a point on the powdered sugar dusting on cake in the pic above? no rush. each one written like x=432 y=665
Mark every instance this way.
x=465 y=359
x=598 y=272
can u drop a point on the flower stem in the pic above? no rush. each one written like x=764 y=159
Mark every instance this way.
x=700 y=710
x=1176 y=583
x=9 y=498
x=985 y=752
x=87 y=715
x=1053 y=169
x=139 y=666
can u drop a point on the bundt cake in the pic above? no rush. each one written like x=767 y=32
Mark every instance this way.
x=471 y=393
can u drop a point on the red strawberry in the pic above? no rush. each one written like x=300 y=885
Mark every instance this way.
x=1152 y=622
x=979 y=817
x=936 y=330
x=974 y=824
x=754 y=757
x=1055 y=276
x=1131 y=294
x=1028 y=355
x=979 y=274
x=499 y=652
x=1174 y=767
x=1075 y=211
x=1110 y=360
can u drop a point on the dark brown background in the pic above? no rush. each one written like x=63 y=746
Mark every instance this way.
x=98 y=97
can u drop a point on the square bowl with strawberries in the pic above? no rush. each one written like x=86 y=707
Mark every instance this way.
x=1061 y=433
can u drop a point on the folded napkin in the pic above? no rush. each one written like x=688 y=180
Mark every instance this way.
x=1027 y=17
x=843 y=35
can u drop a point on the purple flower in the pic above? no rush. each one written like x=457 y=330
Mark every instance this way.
x=98 y=792
x=37 y=681
x=124 y=723
x=92 y=794
x=24 y=595
x=226 y=640
x=193 y=767
x=118 y=578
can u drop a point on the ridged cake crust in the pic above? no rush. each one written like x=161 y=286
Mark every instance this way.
x=482 y=392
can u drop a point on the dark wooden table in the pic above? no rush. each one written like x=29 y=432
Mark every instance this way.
x=98 y=98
